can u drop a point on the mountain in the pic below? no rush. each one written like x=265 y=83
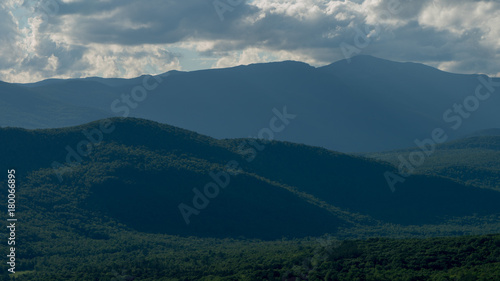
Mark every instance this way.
x=26 y=107
x=338 y=106
x=486 y=132
x=473 y=160
x=160 y=179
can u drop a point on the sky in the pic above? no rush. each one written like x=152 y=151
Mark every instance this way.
x=127 y=38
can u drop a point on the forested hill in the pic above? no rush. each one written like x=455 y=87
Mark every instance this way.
x=473 y=160
x=161 y=179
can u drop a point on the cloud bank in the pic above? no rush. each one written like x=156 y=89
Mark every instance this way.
x=126 y=38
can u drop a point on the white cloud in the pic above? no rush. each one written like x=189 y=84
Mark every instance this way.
x=128 y=61
x=127 y=38
x=248 y=56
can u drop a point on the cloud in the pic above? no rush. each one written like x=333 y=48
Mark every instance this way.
x=9 y=36
x=124 y=37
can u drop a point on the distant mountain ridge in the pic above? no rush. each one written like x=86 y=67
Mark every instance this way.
x=369 y=104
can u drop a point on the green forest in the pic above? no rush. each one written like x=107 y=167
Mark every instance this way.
x=138 y=256
x=284 y=212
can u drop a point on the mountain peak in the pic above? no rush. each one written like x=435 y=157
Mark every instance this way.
x=362 y=61
x=287 y=64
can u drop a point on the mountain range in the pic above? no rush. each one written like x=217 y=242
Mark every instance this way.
x=365 y=104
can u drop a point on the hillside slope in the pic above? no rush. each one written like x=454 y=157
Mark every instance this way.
x=473 y=161
x=141 y=172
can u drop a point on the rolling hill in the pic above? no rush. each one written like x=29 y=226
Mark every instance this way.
x=102 y=201
x=157 y=178
x=473 y=160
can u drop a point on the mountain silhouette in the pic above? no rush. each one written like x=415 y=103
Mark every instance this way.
x=361 y=105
